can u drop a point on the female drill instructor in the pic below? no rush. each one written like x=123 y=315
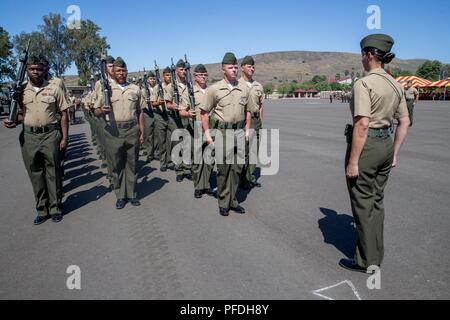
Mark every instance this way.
x=377 y=100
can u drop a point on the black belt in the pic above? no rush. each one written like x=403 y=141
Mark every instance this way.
x=160 y=112
x=126 y=124
x=231 y=125
x=44 y=129
x=380 y=133
x=149 y=112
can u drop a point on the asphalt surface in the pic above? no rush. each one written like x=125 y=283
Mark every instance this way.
x=287 y=246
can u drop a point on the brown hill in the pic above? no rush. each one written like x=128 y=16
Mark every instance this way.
x=299 y=65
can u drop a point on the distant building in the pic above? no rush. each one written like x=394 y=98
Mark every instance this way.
x=77 y=91
x=302 y=93
x=342 y=80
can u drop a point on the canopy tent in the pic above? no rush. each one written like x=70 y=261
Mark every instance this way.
x=438 y=89
x=417 y=81
x=440 y=84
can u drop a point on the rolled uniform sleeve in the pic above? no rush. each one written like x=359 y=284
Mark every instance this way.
x=97 y=93
x=61 y=102
x=402 y=110
x=142 y=101
x=98 y=100
x=210 y=101
x=361 y=100
x=252 y=103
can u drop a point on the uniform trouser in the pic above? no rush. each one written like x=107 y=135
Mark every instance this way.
x=164 y=127
x=151 y=140
x=251 y=168
x=72 y=115
x=367 y=195
x=174 y=124
x=201 y=171
x=161 y=128
x=122 y=154
x=41 y=157
x=90 y=119
x=410 y=104
x=185 y=168
x=101 y=146
x=229 y=172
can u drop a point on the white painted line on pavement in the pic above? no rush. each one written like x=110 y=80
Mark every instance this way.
x=349 y=283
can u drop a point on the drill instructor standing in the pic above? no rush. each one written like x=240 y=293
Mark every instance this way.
x=377 y=100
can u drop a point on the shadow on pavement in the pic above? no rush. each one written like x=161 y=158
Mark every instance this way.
x=83 y=198
x=79 y=172
x=338 y=230
x=78 y=145
x=77 y=137
x=147 y=187
x=74 y=153
x=78 y=163
x=75 y=156
x=83 y=180
x=144 y=171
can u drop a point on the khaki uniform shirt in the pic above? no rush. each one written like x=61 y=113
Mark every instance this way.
x=144 y=95
x=125 y=103
x=58 y=82
x=156 y=97
x=411 y=93
x=98 y=90
x=379 y=97
x=183 y=92
x=88 y=100
x=229 y=104
x=200 y=100
x=40 y=108
x=256 y=92
x=72 y=102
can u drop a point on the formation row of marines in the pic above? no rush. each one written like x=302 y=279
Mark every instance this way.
x=232 y=107
x=135 y=117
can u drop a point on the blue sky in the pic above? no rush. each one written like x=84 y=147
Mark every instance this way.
x=141 y=31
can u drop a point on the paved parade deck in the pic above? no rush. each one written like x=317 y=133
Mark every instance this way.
x=287 y=246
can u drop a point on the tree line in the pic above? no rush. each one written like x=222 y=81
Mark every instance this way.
x=430 y=70
x=83 y=46
x=61 y=45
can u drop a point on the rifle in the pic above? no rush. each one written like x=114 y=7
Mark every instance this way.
x=176 y=93
x=147 y=94
x=106 y=89
x=160 y=88
x=190 y=84
x=16 y=88
x=92 y=82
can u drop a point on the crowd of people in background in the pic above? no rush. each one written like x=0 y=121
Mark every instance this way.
x=435 y=96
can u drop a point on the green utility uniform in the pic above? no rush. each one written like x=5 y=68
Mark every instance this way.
x=181 y=169
x=411 y=95
x=122 y=137
x=228 y=106
x=40 y=141
x=257 y=95
x=380 y=98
